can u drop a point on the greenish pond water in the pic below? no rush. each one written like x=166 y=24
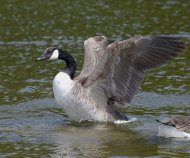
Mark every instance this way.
x=32 y=124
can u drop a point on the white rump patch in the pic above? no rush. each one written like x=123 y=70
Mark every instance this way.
x=125 y=121
x=55 y=55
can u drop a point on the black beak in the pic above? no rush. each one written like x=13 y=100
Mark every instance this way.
x=42 y=57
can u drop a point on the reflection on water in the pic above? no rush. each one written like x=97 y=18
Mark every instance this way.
x=40 y=127
x=102 y=141
x=31 y=125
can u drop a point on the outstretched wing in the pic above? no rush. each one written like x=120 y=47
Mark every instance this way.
x=124 y=63
x=94 y=50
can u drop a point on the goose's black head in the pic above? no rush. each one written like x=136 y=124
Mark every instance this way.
x=53 y=53
x=50 y=53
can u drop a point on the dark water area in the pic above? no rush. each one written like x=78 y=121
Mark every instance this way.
x=33 y=125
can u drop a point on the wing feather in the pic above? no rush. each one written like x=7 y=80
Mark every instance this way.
x=124 y=63
x=94 y=50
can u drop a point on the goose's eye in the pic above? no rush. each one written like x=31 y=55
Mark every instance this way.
x=51 y=50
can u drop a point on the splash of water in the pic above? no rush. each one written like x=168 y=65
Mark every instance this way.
x=125 y=121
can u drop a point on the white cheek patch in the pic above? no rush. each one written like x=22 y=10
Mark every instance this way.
x=55 y=55
x=85 y=42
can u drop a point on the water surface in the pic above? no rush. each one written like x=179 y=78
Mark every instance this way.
x=32 y=124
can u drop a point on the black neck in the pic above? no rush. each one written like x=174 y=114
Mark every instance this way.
x=70 y=63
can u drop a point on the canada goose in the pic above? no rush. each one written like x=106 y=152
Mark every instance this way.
x=178 y=126
x=111 y=74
